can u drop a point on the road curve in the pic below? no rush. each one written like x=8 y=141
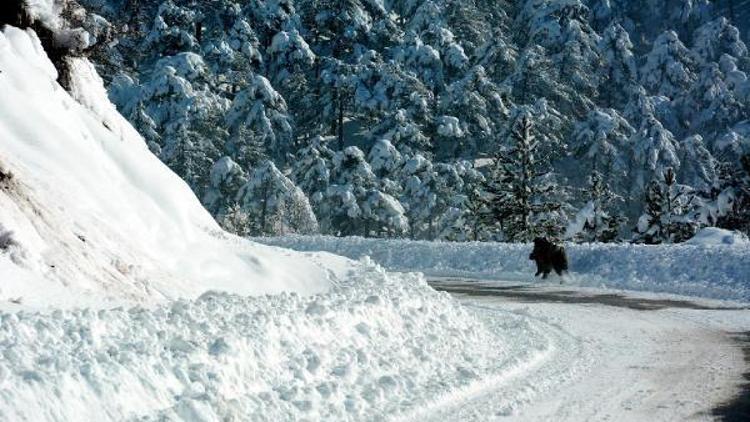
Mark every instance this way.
x=612 y=357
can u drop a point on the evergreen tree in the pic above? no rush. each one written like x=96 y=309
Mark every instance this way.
x=654 y=150
x=666 y=218
x=258 y=117
x=596 y=221
x=733 y=203
x=618 y=66
x=312 y=171
x=352 y=182
x=601 y=143
x=524 y=199
x=716 y=38
x=226 y=179
x=383 y=215
x=476 y=101
x=439 y=80
x=711 y=105
x=698 y=167
x=419 y=196
x=235 y=220
x=401 y=130
x=668 y=69
x=274 y=205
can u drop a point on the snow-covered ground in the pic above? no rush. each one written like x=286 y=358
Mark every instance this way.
x=715 y=265
x=352 y=354
x=654 y=358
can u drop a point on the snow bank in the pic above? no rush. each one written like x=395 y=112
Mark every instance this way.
x=714 y=271
x=712 y=236
x=93 y=215
x=376 y=347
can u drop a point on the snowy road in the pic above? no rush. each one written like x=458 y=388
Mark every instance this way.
x=609 y=357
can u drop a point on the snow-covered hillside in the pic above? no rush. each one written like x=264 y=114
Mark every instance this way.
x=86 y=208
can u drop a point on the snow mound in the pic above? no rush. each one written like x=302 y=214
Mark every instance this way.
x=720 y=272
x=388 y=346
x=713 y=236
x=89 y=214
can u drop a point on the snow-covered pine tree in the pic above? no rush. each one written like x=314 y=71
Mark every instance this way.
x=698 y=167
x=473 y=205
x=274 y=205
x=620 y=72
x=579 y=59
x=669 y=66
x=524 y=200
x=383 y=215
x=667 y=217
x=449 y=202
x=235 y=220
x=352 y=182
x=173 y=30
x=601 y=144
x=476 y=101
x=712 y=105
x=385 y=160
x=384 y=89
x=597 y=220
x=654 y=150
x=312 y=171
x=419 y=197
x=407 y=72
x=258 y=117
x=497 y=55
x=403 y=131
x=226 y=179
x=716 y=38
x=458 y=202
x=733 y=203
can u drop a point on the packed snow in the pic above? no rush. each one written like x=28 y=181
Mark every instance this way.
x=720 y=271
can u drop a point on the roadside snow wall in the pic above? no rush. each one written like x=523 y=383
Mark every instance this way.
x=371 y=349
x=713 y=271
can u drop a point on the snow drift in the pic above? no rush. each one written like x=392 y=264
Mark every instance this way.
x=87 y=210
x=714 y=269
x=384 y=347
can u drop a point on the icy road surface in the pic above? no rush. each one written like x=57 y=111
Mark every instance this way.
x=609 y=357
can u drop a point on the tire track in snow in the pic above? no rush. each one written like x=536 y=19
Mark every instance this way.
x=647 y=358
x=563 y=359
